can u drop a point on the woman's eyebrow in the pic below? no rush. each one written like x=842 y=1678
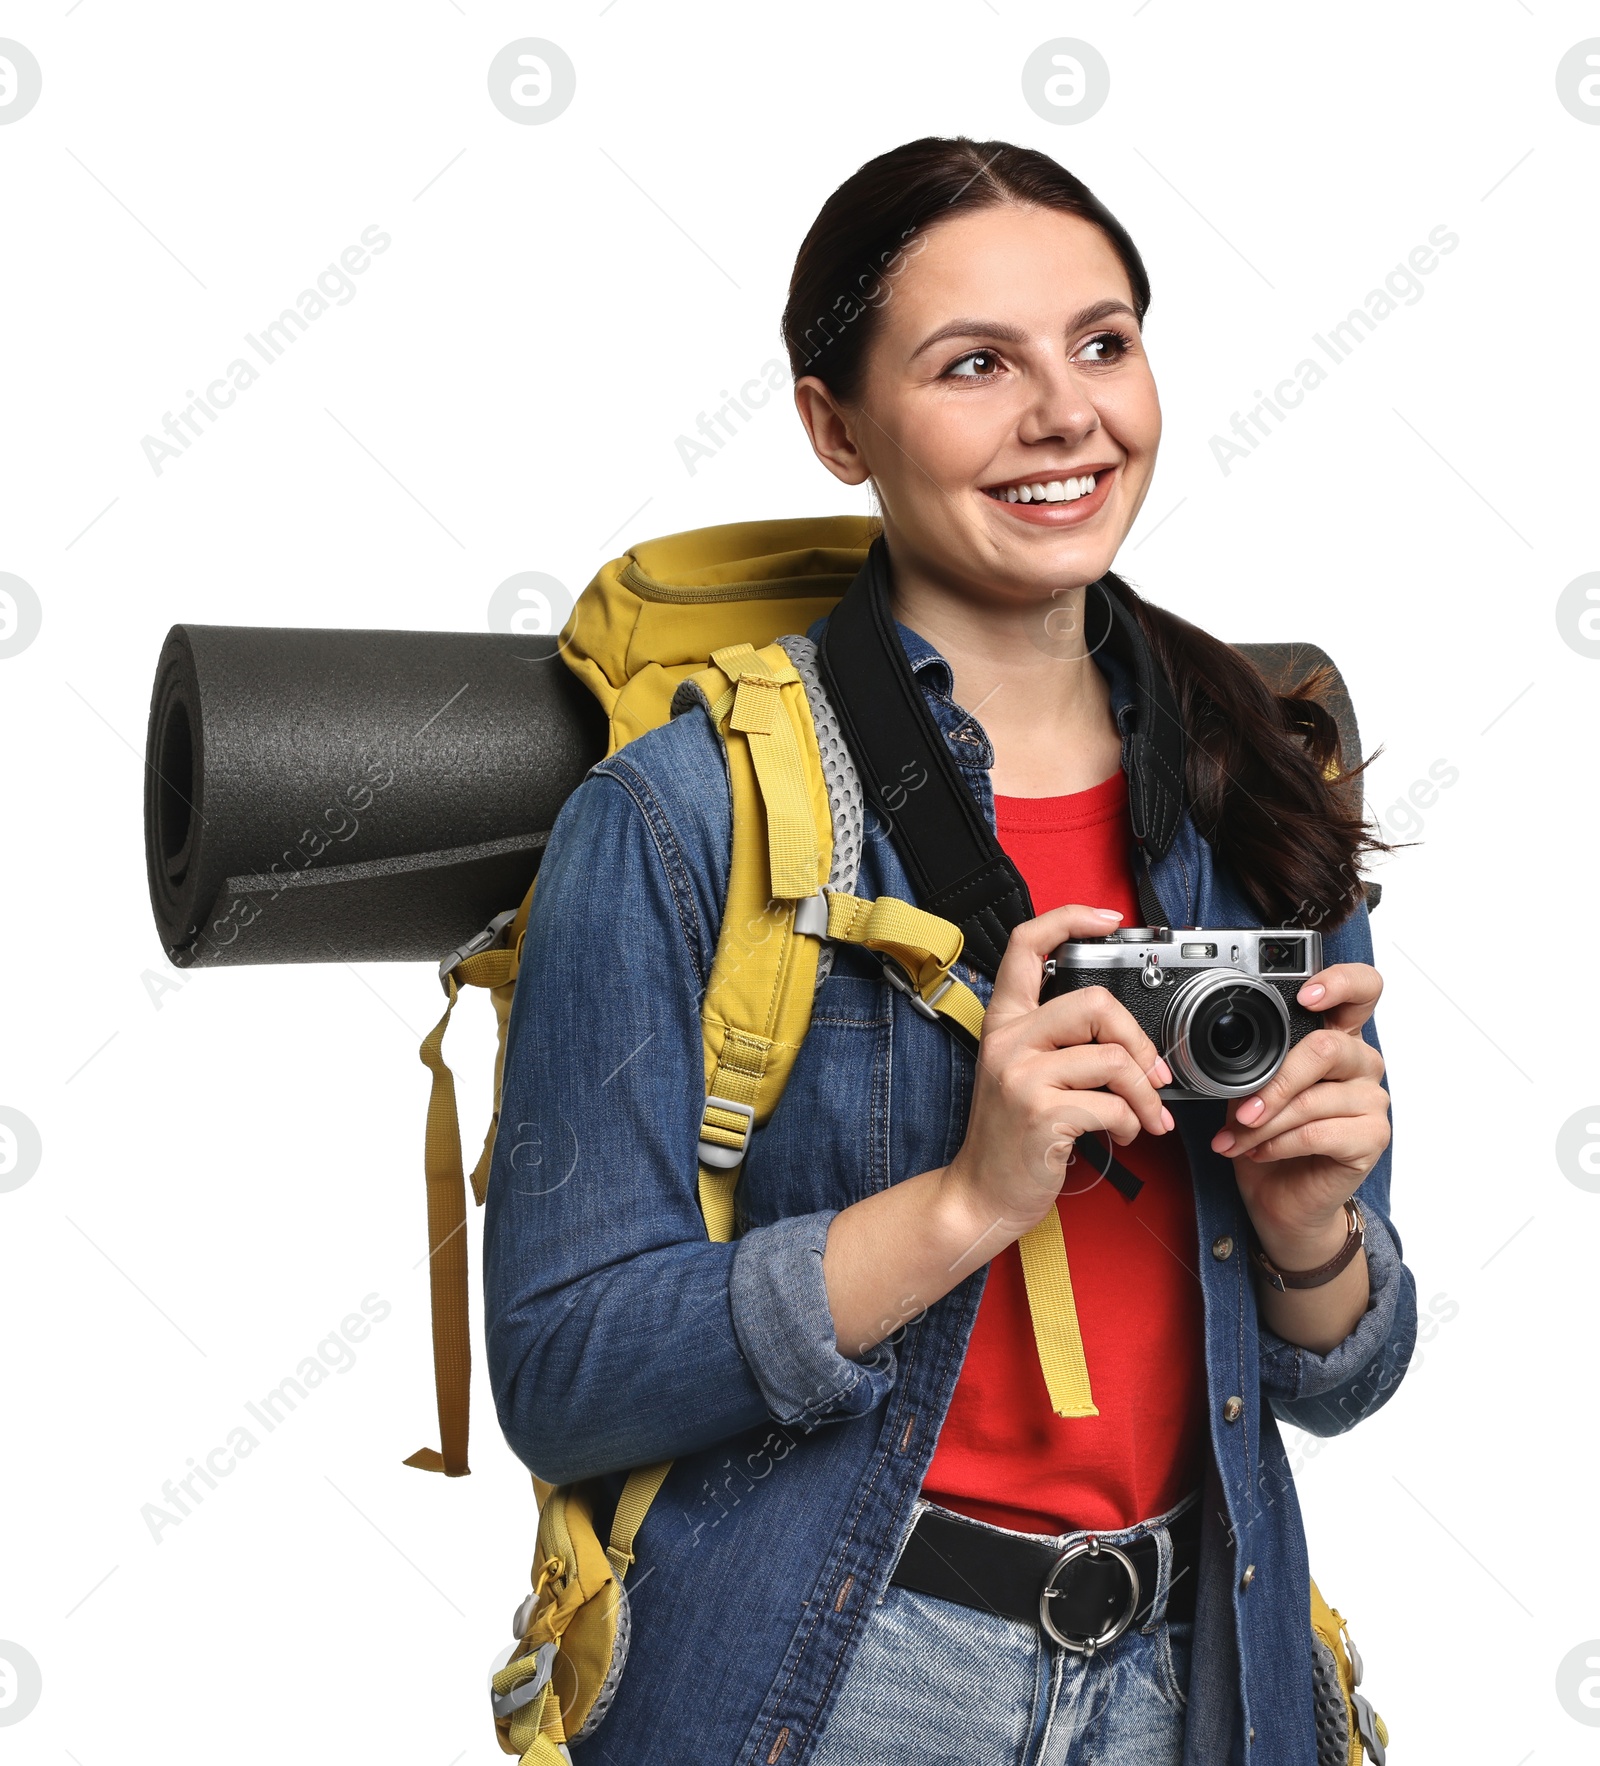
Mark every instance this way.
x=1090 y=315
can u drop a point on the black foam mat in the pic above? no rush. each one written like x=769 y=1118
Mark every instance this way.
x=325 y=796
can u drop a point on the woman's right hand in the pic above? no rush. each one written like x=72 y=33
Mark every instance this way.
x=1046 y=1074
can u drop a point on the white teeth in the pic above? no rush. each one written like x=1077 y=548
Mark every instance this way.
x=1055 y=490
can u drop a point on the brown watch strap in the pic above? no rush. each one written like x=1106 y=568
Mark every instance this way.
x=1324 y=1272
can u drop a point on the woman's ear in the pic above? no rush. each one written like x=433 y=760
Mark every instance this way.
x=831 y=430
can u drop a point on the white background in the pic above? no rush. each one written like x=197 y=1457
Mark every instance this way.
x=232 y=1162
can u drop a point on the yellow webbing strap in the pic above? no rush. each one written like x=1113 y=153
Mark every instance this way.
x=1055 y=1317
x=757 y=1005
x=544 y=1751
x=447 y=1221
x=637 y=1495
x=760 y=715
x=546 y=1747
x=925 y=946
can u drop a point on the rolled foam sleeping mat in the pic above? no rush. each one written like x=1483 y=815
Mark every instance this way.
x=339 y=796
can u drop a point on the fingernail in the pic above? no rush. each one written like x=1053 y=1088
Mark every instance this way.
x=1311 y=993
x=1161 y=1073
x=1224 y=1142
x=1166 y=1118
x=1250 y=1109
x=1108 y=913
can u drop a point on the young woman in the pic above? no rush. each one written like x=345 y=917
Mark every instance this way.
x=874 y=1545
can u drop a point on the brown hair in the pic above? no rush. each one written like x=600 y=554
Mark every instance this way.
x=1257 y=760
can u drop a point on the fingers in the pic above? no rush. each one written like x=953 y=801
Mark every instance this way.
x=1324 y=1057
x=1021 y=973
x=1355 y=1141
x=1107 y=1067
x=1344 y=992
x=1092 y=1112
x=1094 y=1014
x=1335 y=1101
x=1082 y=1040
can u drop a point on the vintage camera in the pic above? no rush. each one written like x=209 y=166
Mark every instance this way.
x=1219 y=1005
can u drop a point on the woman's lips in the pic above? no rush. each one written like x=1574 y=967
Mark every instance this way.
x=1058 y=514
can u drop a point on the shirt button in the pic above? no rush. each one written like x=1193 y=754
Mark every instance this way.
x=1248 y=1577
x=1252 y=1732
x=1222 y=1249
x=1232 y=1410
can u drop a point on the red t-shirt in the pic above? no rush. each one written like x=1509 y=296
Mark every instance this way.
x=1003 y=1455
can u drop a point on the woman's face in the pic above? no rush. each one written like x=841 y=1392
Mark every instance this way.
x=1006 y=355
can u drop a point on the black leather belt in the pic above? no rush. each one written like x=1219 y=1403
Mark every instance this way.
x=1084 y=1596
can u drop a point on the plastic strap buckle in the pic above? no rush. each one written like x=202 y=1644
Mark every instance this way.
x=721 y=1158
x=811 y=916
x=479 y=941
x=505 y=1704
x=1367 y=1728
x=895 y=974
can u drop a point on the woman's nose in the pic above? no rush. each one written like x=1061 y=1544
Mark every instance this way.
x=1059 y=407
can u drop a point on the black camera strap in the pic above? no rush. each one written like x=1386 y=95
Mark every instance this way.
x=957 y=867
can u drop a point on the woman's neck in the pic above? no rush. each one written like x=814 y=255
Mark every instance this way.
x=1025 y=676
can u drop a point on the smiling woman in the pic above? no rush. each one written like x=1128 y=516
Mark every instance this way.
x=935 y=1498
x=1006 y=364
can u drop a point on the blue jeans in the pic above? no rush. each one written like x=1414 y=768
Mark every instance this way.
x=932 y=1682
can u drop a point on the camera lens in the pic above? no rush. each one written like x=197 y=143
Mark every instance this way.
x=1225 y=1033
x=1233 y=1036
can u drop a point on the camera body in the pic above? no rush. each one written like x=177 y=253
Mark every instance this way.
x=1219 y=1004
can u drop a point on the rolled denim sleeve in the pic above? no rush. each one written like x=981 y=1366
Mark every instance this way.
x=618 y=1335
x=1327 y=1394
x=784 y=1325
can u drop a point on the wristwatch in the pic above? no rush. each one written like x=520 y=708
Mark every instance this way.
x=1324 y=1272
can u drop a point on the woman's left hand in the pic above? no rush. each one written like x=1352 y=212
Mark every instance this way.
x=1304 y=1142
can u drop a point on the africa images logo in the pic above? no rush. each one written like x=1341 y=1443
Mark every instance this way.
x=333 y=286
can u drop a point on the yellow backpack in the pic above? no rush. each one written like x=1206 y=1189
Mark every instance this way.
x=695 y=616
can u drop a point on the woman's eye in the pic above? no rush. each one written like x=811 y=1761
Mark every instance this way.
x=1110 y=346
x=975 y=365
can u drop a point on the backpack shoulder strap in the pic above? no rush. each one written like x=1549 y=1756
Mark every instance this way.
x=756 y=1009
x=757 y=1005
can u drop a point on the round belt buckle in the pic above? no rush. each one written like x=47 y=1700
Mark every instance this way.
x=1087 y=1646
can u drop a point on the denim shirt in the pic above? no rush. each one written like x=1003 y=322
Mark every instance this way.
x=618 y=1335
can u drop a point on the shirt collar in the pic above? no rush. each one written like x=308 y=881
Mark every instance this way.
x=934 y=673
